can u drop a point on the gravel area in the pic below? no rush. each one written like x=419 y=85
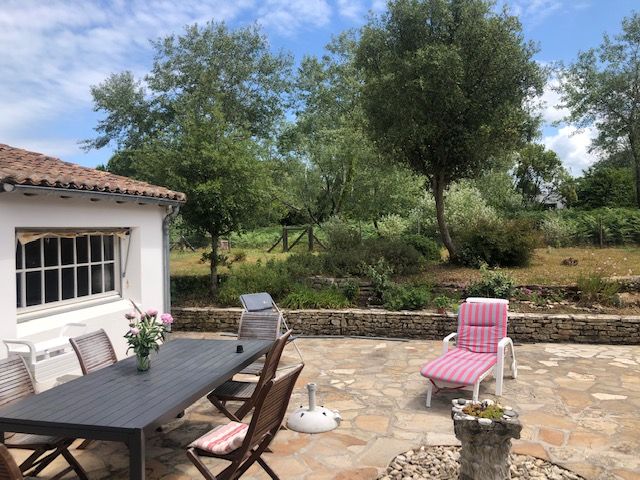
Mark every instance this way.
x=441 y=463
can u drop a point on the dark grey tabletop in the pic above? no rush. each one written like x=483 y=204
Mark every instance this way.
x=119 y=398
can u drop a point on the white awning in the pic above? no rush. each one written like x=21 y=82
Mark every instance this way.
x=27 y=236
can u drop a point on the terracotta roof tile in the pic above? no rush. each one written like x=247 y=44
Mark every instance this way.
x=21 y=167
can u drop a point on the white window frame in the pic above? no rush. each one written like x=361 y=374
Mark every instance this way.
x=86 y=299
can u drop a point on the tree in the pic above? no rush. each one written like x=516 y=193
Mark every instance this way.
x=603 y=185
x=602 y=89
x=200 y=123
x=446 y=89
x=540 y=176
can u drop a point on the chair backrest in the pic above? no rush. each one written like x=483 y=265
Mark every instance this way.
x=16 y=381
x=271 y=407
x=264 y=325
x=481 y=326
x=257 y=302
x=486 y=300
x=272 y=361
x=94 y=351
x=9 y=469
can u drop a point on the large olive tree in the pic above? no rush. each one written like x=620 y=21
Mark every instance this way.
x=446 y=89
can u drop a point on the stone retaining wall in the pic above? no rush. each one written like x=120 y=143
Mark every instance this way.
x=523 y=327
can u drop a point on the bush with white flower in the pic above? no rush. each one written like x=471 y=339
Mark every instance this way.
x=146 y=331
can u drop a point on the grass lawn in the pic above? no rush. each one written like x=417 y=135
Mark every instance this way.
x=546 y=266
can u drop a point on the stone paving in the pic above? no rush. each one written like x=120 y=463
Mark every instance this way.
x=578 y=403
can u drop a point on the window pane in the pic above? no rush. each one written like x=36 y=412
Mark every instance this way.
x=109 y=279
x=82 y=249
x=51 y=286
x=50 y=252
x=68 y=283
x=34 y=288
x=32 y=254
x=18 y=290
x=66 y=250
x=96 y=278
x=96 y=248
x=19 y=255
x=108 y=247
x=83 y=281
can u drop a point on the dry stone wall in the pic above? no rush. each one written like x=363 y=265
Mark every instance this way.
x=523 y=327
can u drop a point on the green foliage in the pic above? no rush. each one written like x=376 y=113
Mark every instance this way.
x=594 y=288
x=509 y=243
x=493 y=412
x=600 y=90
x=405 y=297
x=341 y=235
x=392 y=226
x=189 y=287
x=380 y=275
x=442 y=301
x=606 y=186
x=302 y=265
x=304 y=297
x=447 y=105
x=262 y=237
x=425 y=246
x=493 y=284
x=402 y=257
x=271 y=277
x=558 y=231
x=351 y=290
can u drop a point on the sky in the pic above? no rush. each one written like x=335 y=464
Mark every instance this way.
x=51 y=52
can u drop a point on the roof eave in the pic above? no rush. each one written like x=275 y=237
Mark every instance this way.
x=33 y=190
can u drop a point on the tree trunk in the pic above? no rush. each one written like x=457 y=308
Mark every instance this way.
x=213 y=265
x=438 y=185
x=635 y=153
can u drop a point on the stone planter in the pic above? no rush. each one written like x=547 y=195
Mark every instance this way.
x=486 y=443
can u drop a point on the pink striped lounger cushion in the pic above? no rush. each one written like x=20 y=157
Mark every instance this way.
x=223 y=439
x=481 y=326
x=459 y=366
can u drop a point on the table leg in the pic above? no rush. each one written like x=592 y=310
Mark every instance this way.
x=136 y=456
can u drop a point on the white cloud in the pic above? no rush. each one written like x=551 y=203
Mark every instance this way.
x=550 y=103
x=51 y=52
x=572 y=146
x=354 y=10
x=534 y=11
x=288 y=16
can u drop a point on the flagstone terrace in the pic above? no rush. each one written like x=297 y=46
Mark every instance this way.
x=578 y=404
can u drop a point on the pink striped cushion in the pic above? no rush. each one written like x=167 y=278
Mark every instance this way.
x=481 y=326
x=459 y=366
x=223 y=439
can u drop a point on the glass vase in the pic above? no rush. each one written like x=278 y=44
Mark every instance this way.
x=143 y=362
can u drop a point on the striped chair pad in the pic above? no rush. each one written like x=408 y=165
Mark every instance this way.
x=481 y=326
x=235 y=390
x=459 y=366
x=223 y=439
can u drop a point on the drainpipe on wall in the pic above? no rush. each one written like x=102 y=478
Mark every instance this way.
x=172 y=211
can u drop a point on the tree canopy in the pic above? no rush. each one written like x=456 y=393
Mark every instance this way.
x=446 y=88
x=602 y=89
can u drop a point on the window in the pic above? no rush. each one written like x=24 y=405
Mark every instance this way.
x=54 y=269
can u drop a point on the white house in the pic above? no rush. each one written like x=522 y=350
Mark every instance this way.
x=76 y=245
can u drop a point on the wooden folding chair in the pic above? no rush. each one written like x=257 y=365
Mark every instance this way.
x=9 y=469
x=94 y=351
x=268 y=415
x=16 y=383
x=248 y=392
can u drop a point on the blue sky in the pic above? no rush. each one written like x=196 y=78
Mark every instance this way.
x=51 y=52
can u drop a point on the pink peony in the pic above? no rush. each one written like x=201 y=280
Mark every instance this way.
x=130 y=315
x=134 y=331
x=152 y=312
x=166 y=318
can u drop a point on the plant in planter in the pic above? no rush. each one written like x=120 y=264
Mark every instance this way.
x=485 y=430
x=441 y=303
x=146 y=333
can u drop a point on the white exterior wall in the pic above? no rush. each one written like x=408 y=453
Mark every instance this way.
x=144 y=278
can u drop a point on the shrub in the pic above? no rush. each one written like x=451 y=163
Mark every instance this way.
x=594 y=288
x=305 y=297
x=402 y=257
x=492 y=284
x=380 y=276
x=442 y=301
x=405 y=297
x=425 y=246
x=258 y=238
x=189 y=287
x=392 y=226
x=271 y=277
x=351 y=290
x=341 y=235
x=344 y=262
x=558 y=232
x=301 y=265
x=498 y=244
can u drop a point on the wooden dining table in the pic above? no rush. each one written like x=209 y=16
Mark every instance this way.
x=119 y=403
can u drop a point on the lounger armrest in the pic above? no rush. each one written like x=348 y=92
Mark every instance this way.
x=446 y=340
x=503 y=343
x=29 y=344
